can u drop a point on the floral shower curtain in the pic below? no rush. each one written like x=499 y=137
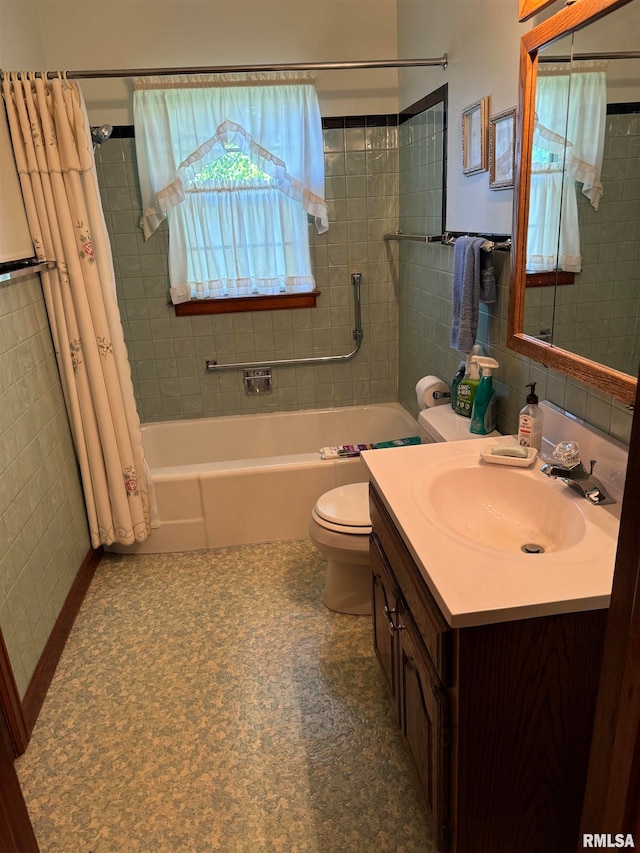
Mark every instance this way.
x=53 y=149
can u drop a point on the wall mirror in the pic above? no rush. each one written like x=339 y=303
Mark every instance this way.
x=577 y=222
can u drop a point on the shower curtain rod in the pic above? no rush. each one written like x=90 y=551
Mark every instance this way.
x=621 y=54
x=230 y=69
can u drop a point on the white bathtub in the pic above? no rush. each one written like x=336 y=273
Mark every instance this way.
x=254 y=478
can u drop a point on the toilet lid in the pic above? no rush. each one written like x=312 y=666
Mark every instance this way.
x=346 y=505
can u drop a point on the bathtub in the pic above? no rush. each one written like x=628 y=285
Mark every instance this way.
x=235 y=480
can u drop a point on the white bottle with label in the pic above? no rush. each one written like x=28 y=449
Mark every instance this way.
x=530 y=421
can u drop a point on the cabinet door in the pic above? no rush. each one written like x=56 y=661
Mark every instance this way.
x=425 y=724
x=385 y=605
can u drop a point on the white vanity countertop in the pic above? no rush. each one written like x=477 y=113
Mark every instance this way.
x=477 y=584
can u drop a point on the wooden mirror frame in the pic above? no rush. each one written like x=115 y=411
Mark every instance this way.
x=528 y=8
x=613 y=382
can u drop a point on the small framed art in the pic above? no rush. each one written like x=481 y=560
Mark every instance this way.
x=474 y=137
x=502 y=136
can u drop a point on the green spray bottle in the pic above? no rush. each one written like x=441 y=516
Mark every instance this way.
x=484 y=415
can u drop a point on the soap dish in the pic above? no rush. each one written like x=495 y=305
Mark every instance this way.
x=514 y=461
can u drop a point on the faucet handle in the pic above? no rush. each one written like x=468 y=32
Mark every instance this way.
x=568 y=453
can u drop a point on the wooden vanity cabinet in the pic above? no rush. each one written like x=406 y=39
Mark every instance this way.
x=414 y=682
x=497 y=718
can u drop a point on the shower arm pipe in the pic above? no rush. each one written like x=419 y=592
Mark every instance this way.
x=356 y=281
x=105 y=73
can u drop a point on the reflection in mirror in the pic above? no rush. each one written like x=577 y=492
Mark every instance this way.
x=584 y=207
x=584 y=216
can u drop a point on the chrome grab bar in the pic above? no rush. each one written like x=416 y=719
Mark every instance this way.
x=356 y=281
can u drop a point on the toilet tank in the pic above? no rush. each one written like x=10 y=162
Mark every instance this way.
x=441 y=423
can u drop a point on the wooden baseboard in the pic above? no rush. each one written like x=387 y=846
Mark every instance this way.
x=41 y=679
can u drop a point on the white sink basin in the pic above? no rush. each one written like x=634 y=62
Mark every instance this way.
x=504 y=508
x=465 y=521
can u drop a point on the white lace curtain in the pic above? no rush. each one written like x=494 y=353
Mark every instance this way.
x=232 y=244
x=571 y=107
x=52 y=144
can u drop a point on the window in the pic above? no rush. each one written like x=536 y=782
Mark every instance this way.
x=236 y=163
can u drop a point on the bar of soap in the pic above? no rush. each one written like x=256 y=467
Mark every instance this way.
x=510 y=450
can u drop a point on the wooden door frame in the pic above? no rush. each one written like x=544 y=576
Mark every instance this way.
x=16 y=831
x=613 y=780
x=10 y=704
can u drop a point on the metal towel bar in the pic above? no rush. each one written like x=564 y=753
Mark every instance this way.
x=420 y=238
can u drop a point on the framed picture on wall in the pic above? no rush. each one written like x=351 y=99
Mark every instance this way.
x=502 y=135
x=474 y=137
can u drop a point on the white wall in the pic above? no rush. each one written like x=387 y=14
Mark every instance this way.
x=98 y=34
x=482 y=38
x=21 y=42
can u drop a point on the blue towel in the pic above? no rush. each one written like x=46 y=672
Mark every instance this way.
x=473 y=280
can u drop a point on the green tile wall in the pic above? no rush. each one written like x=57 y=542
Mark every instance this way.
x=43 y=528
x=375 y=184
x=168 y=353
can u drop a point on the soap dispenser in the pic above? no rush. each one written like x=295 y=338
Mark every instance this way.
x=530 y=421
x=484 y=415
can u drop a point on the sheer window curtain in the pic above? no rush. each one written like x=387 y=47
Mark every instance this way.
x=571 y=106
x=225 y=241
x=52 y=144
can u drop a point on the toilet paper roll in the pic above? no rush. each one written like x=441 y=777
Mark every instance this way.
x=429 y=386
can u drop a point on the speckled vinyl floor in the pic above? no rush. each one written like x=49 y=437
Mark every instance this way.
x=209 y=701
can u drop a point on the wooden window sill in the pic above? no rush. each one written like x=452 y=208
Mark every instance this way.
x=271 y=302
x=549 y=279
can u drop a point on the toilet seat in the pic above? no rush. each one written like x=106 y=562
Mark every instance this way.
x=345 y=510
x=351 y=530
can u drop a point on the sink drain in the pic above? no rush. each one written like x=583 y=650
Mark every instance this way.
x=532 y=548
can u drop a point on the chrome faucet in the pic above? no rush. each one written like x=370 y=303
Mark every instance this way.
x=572 y=472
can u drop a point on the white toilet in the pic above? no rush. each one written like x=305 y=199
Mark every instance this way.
x=339 y=528
x=340 y=522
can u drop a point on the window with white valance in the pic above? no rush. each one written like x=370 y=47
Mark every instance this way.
x=568 y=144
x=236 y=164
